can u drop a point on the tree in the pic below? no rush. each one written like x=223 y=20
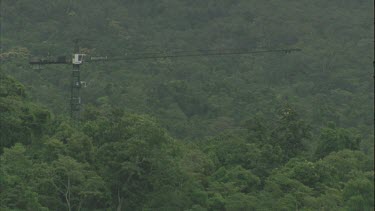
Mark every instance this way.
x=287 y=193
x=79 y=186
x=290 y=133
x=337 y=166
x=20 y=120
x=358 y=193
x=333 y=139
x=16 y=176
x=137 y=160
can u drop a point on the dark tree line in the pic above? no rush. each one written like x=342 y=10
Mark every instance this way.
x=266 y=132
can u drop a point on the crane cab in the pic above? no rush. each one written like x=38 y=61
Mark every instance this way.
x=78 y=58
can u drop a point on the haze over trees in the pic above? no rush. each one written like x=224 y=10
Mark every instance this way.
x=253 y=132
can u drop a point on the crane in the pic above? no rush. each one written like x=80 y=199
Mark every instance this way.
x=78 y=58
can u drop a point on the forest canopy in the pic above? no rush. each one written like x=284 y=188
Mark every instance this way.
x=270 y=131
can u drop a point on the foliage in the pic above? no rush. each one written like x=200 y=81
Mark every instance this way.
x=116 y=160
x=20 y=120
x=262 y=132
x=197 y=97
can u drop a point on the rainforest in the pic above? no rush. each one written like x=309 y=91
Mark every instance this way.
x=264 y=131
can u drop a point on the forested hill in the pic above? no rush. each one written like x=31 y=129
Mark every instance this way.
x=251 y=132
x=116 y=160
x=330 y=80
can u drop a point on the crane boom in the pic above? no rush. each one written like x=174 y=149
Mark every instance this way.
x=188 y=54
x=78 y=59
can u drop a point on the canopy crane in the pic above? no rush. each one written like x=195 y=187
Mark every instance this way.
x=77 y=59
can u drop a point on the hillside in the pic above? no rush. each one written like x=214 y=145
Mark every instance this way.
x=122 y=161
x=330 y=80
x=269 y=131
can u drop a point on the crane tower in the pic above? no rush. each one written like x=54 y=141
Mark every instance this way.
x=77 y=59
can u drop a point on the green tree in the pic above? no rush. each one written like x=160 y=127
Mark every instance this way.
x=77 y=185
x=333 y=139
x=358 y=193
x=16 y=175
x=291 y=133
x=20 y=120
x=137 y=160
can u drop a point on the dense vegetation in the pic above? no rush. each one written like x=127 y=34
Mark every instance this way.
x=265 y=132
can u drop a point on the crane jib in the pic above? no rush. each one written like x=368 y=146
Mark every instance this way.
x=196 y=53
x=79 y=58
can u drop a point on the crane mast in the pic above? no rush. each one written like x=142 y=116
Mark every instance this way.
x=75 y=86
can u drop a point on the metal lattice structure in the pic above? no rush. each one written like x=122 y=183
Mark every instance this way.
x=78 y=59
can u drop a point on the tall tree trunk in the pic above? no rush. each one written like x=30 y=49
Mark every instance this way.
x=119 y=200
x=67 y=195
